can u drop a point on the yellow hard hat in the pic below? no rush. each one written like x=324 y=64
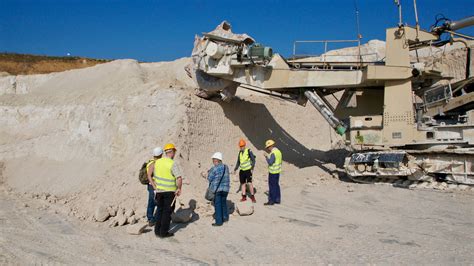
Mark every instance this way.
x=169 y=146
x=269 y=143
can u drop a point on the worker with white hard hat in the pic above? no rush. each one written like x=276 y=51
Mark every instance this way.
x=274 y=160
x=150 y=210
x=219 y=184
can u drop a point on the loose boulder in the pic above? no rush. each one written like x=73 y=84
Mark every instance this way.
x=101 y=213
x=121 y=219
x=136 y=229
x=245 y=208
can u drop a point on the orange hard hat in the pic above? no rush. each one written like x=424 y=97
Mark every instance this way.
x=242 y=143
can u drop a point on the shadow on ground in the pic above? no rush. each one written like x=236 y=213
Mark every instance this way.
x=258 y=125
x=175 y=227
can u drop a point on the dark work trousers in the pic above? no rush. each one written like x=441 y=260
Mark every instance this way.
x=220 y=207
x=163 y=202
x=150 y=210
x=274 y=195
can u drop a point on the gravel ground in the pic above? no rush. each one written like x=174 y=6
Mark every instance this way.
x=314 y=224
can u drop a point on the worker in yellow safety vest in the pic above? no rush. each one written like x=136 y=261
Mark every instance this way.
x=274 y=160
x=246 y=163
x=167 y=182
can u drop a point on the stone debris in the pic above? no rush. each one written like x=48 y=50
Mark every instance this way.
x=129 y=213
x=441 y=186
x=244 y=208
x=423 y=185
x=112 y=211
x=136 y=229
x=101 y=213
x=121 y=219
x=113 y=222
x=132 y=219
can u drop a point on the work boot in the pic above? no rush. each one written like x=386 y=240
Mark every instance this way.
x=252 y=197
x=168 y=234
x=244 y=198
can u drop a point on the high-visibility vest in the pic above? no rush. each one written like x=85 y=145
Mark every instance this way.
x=244 y=160
x=162 y=175
x=275 y=168
x=148 y=164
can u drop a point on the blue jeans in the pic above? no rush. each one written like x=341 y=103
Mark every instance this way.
x=274 y=195
x=151 y=215
x=220 y=207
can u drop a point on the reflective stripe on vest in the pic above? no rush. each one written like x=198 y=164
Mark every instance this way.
x=163 y=176
x=275 y=168
x=244 y=160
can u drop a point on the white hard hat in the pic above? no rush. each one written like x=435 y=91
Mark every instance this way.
x=217 y=155
x=157 y=151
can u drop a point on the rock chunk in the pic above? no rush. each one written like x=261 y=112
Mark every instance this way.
x=112 y=211
x=129 y=213
x=132 y=220
x=113 y=222
x=244 y=208
x=136 y=229
x=121 y=219
x=101 y=213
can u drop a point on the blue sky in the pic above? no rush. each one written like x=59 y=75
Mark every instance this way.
x=164 y=30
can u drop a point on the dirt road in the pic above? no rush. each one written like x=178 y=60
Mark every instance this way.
x=322 y=224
